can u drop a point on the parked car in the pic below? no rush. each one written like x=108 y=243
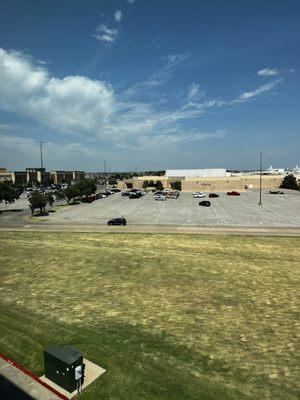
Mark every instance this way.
x=160 y=197
x=88 y=199
x=275 y=192
x=212 y=195
x=198 y=195
x=172 y=195
x=233 y=193
x=125 y=194
x=117 y=221
x=115 y=190
x=135 y=195
x=205 y=203
x=102 y=195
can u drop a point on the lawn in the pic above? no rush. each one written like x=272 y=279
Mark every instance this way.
x=168 y=316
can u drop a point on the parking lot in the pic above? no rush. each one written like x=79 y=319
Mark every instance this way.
x=277 y=210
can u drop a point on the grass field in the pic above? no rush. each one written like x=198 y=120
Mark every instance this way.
x=168 y=316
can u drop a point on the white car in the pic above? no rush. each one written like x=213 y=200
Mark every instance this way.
x=160 y=197
x=198 y=195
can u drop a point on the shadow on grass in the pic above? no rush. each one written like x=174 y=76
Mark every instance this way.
x=139 y=364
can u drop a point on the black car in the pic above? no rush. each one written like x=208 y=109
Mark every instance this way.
x=213 y=195
x=117 y=221
x=135 y=195
x=125 y=194
x=115 y=190
x=204 y=203
x=275 y=192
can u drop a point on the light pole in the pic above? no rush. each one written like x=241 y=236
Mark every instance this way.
x=105 y=174
x=41 y=151
x=260 y=177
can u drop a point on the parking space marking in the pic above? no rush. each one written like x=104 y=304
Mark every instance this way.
x=218 y=214
x=162 y=207
x=280 y=215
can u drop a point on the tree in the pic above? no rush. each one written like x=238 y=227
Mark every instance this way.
x=8 y=193
x=69 y=193
x=37 y=200
x=145 y=184
x=50 y=199
x=176 y=185
x=158 y=185
x=289 y=182
x=86 y=187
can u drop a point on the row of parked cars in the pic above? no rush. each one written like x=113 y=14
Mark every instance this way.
x=207 y=203
x=134 y=193
x=92 y=197
x=163 y=195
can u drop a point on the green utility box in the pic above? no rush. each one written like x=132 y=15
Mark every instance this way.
x=60 y=364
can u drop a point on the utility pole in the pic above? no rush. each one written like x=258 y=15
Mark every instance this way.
x=41 y=152
x=105 y=173
x=260 y=178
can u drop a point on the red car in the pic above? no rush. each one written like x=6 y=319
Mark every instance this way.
x=233 y=193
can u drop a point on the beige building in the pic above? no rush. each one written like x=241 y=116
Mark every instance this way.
x=66 y=176
x=5 y=176
x=210 y=184
x=33 y=175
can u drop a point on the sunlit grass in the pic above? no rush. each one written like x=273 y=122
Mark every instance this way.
x=168 y=316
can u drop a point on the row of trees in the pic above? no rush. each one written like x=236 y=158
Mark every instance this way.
x=157 y=185
x=39 y=200
x=85 y=187
x=176 y=185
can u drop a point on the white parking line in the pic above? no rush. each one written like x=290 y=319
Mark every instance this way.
x=218 y=214
x=280 y=215
x=164 y=202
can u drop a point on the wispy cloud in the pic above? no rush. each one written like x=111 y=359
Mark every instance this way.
x=8 y=127
x=118 y=15
x=268 y=72
x=194 y=92
x=104 y=33
x=161 y=75
x=260 y=90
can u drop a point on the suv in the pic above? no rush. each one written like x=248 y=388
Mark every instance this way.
x=198 y=195
x=160 y=197
x=117 y=221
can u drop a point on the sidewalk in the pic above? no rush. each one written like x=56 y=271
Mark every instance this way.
x=18 y=383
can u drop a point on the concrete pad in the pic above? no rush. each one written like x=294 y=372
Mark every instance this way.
x=92 y=372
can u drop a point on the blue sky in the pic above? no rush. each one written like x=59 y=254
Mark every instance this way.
x=149 y=84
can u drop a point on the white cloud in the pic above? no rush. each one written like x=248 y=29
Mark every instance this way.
x=268 y=72
x=106 y=34
x=262 y=89
x=74 y=104
x=118 y=15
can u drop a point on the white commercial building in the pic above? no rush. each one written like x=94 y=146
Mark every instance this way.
x=197 y=173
